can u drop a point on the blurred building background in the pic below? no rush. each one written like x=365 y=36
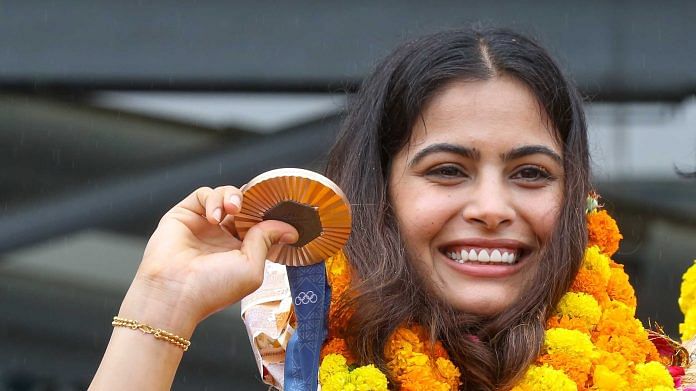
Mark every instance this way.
x=110 y=112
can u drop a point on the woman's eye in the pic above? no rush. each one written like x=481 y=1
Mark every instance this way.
x=446 y=172
x=532 y=173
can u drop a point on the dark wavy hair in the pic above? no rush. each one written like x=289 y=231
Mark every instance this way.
x=491 y=352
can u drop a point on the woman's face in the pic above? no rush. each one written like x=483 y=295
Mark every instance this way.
x=477 y=192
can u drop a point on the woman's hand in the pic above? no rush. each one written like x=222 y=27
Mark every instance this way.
x=193 y=266
x=193 y=263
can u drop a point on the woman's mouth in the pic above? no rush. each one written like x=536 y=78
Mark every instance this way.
x=483 y=255
x=490 y=258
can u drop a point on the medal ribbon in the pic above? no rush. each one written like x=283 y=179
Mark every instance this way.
x=311 y=296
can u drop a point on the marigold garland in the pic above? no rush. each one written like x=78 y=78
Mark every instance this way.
x=599 y=343
x=593 y=341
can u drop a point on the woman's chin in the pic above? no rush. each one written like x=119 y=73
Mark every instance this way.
x=485 y=308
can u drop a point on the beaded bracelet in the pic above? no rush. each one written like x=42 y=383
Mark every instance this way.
x=157 y=333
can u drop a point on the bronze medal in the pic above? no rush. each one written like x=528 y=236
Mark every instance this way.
x=308 y=201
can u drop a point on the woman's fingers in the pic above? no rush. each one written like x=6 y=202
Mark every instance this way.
x=214 y=204
x=232 y=200
x=262 y=236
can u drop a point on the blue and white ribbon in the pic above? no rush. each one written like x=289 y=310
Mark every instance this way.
x=311 y=297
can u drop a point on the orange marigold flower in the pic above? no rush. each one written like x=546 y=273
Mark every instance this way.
x=633 y=350
x=603 y=232
x=619 y=288
x=567 y=322
x=439 y=351
x=408 y=360
x=338 y=346
x=339 y=278
x=576 y=369
x=421 y=379
x=338 y=274
x=403 y=339
x=615 y=362
x=590 y=282
x=618 y=331
x=435 y=349
x=449 y=372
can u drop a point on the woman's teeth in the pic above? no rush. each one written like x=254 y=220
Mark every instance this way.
x=483 y=256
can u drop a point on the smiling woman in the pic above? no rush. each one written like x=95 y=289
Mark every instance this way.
x=466 y=154
x=465 y=158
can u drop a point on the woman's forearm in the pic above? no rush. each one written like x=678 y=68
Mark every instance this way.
x=138 y=361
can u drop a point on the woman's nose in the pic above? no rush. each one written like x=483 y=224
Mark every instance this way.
x=489 y=204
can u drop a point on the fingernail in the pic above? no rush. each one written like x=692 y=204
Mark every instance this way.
x=236 y=200
x=217 y=214
x=287 y=239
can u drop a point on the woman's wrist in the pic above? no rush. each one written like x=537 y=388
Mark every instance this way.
x=136 y=360
x=149 y=305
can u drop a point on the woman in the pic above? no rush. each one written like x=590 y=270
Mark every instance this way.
x=465 y=157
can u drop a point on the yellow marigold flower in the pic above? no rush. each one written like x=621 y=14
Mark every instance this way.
x=331 y=365
x=649 y=376
x=619 y=288
x=336 y=382
x=449 y=372
x=603 y=232
x=687 y=329
x=545 y=378
x=580 y=305
x=570 y=351
x=368 y=378
x=595 y=260
x=333 y=373
x=687 y=297
x=573 y=343
x=687 y=303
x=606 y=380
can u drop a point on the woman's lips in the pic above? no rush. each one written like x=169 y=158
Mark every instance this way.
x=485 y=257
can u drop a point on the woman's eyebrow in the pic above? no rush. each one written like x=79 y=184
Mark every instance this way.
x=461 y=150
x=526 y=150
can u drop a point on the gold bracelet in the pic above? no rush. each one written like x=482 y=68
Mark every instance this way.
x=158 y=333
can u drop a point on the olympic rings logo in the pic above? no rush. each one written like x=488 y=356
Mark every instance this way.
x=306 y=298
